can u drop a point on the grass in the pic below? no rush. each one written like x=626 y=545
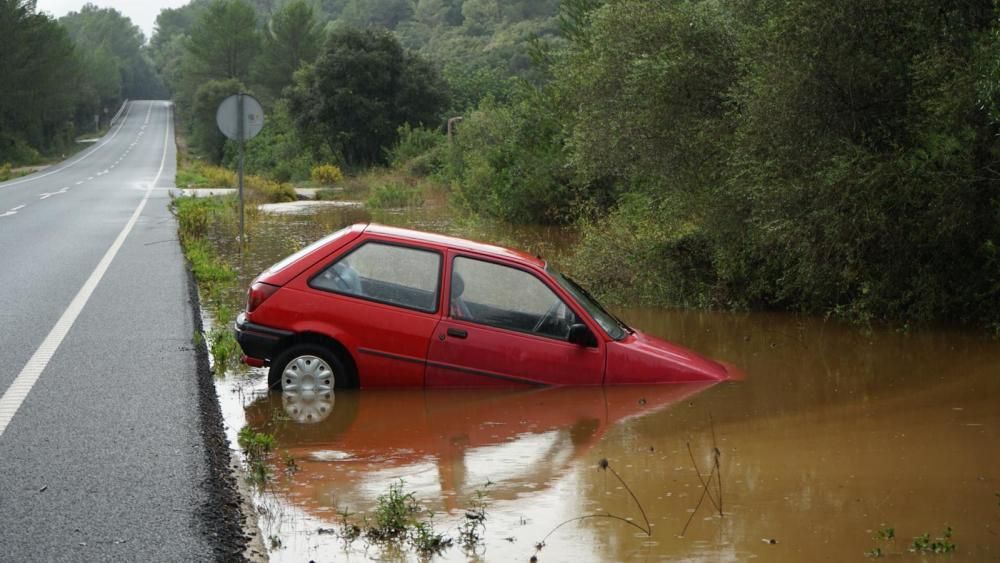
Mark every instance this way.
x=939 y=545
x=923 y=544
x=216 y=279
x=328 y=194
x=256 y=447
x=400 y=523
x=393 y=514
x=885 y=535
x=393 y=195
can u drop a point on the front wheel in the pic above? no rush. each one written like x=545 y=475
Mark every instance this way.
x=307 y=371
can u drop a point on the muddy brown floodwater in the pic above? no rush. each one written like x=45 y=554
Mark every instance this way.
x=835 y=433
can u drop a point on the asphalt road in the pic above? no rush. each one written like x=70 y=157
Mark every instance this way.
x=106 y=435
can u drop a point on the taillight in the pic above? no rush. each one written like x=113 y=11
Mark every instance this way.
x=259 y=292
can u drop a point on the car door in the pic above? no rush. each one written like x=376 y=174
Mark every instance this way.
x=504 y=325
x=381 y=299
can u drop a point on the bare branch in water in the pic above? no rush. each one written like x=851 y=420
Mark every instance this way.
x=697 y=472
x=603 y=464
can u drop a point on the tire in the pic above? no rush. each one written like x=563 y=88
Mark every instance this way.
x=308 y=368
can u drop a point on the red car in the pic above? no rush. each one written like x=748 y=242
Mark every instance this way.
x=376 y=306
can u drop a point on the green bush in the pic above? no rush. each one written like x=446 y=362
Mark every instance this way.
x=255 y=445
x=508 y=162
x=5 y=172
x=417 y=144
x=392 y=195
x=218 y=177
x=262 y=189
x=17 y=152
x=277 y=152
x=326 y=174
x=636 y=256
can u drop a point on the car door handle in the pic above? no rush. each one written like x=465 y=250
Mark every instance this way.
x=458 y=333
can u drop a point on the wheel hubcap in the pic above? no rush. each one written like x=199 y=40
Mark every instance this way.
x=307 y=378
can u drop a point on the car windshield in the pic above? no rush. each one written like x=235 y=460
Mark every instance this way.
x=611 y=324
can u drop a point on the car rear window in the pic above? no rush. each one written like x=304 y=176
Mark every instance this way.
x=387 y=273
x=287 y=261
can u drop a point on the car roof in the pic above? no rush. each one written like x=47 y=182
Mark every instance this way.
x=457 y=244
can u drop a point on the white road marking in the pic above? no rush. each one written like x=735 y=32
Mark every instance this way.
x=46 y=195
x=18 y=391
x=13 y=211
x=80 y=182
x=77 y=161
x=64 y=190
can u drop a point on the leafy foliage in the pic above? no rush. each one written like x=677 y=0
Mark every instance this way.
x=223 y=42
x=363 y=86
x=292 y=37
x=58 y=75
x=509 y=162
x=205 y=135
x=326 y=174
x=823 y=157
x=391 y=195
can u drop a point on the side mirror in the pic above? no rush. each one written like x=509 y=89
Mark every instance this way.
x=579 y=334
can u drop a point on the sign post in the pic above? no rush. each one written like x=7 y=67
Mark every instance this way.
x=240 y=118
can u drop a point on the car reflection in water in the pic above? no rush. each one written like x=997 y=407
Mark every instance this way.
x=351 y=445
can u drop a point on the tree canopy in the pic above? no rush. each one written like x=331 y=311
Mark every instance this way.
x=59 y=74
x=362 y=87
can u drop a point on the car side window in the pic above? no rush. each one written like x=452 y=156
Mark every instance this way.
x=508 y=298
x=387 y=273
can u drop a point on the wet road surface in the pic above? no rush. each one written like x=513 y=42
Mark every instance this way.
x=102 y=445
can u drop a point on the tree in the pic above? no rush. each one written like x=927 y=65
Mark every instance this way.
x=361 y=89
x=37 y=66
x=111 y=49
x=224 y=42
x=376 y=13
x=293 y=37
x=205 y=133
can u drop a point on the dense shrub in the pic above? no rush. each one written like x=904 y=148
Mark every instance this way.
x=393 y=194
x=261 y=189
x=277 y=152
x=645 y=252
x=326 y=174
x=846 y=163
x=509 y=162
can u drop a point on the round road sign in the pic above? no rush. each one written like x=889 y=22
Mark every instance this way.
x=228 y=117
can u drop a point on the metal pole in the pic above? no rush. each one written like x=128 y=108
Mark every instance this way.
x=239 y=110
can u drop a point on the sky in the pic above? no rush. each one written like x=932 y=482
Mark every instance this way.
x=142 y=12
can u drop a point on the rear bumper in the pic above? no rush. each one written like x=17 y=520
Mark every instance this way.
x=259 y=343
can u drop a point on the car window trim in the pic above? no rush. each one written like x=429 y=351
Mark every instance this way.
x=342 y=255
x=569 y=303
